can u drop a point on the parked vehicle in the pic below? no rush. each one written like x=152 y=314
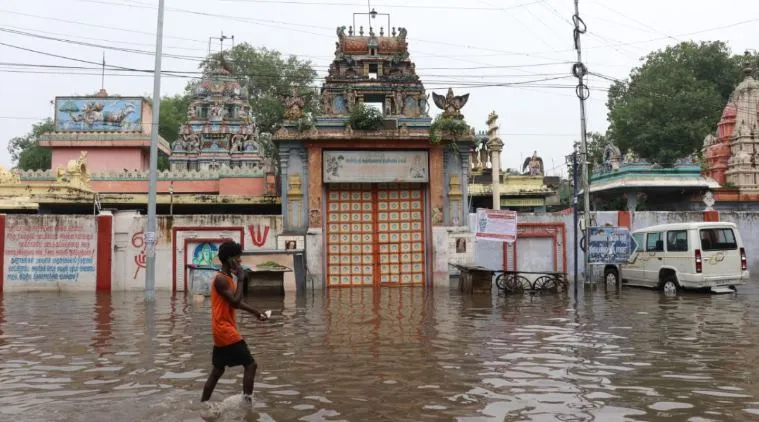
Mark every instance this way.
x=704 y=256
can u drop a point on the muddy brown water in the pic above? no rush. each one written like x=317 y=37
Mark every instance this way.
x=392 y=354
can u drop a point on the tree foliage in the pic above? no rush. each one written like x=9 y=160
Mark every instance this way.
x=172 y=115
x=669 y=103
x=26 y=152
x=268 y=76
x=596 y=143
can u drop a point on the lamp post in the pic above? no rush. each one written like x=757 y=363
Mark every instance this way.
x=150 y=233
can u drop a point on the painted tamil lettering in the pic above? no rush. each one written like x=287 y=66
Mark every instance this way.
x=50 y=249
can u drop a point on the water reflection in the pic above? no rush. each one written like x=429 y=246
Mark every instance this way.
x=388 y=354
x=102 y=315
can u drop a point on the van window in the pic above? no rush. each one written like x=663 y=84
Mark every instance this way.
x=654 y=242
x=722 y=239
x=677 y=241
x=639 y=245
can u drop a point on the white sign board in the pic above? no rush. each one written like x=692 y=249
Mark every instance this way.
x=48 y=250
x=496 y=225
x=376 y=166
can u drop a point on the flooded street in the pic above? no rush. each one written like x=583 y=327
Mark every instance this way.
x=391 y=354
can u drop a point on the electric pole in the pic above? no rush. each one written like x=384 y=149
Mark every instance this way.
x=580 y=71
x=150 y=233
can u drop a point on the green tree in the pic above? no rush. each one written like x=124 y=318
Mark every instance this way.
x=669 y=103
x=597 y=142
x=172 y=115
x=268 y=77
x=26 y=152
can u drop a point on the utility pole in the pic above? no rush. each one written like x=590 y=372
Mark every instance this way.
x=575 y=215
x=150 y=233
x=583 y=92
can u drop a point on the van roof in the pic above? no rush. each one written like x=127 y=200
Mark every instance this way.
x=687 y=226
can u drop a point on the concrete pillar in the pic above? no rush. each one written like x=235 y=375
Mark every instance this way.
x=495 y=146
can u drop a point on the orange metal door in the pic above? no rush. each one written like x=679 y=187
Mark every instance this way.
x=400 y=233
x=375 y=235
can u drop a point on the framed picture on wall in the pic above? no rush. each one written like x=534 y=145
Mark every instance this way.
x=461 y=245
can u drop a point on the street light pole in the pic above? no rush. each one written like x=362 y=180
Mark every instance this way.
x=150 y=233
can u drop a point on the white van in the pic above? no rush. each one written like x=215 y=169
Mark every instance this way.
x=708 y=256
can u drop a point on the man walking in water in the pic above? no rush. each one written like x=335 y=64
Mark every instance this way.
x=229 y=349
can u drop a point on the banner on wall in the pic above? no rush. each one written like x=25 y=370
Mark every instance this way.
x=50 y=249
x=376 y=166
x=496 y=225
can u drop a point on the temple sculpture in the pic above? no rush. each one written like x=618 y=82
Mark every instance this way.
x=451 y=104
x=533 y=165
x=220 y=130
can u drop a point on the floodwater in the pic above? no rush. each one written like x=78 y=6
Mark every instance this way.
x=392 y=354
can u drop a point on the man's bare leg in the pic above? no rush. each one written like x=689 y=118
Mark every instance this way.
x=247 y=380
x=213 y=378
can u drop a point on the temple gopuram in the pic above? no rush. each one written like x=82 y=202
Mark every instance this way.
x=731 y=153
x=100 y=157
x=376 y=200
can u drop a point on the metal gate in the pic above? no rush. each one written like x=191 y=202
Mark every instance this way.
x=375 y=234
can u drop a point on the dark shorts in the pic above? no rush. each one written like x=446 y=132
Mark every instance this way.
x=233 y=355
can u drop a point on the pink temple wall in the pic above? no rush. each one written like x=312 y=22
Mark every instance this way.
x=102 y=159
x=147 y=117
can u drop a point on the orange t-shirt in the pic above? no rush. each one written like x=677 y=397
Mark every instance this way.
x=223 y=323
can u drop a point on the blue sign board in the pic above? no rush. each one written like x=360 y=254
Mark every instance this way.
x=610 y=245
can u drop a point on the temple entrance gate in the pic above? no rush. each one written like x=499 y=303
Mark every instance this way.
x=375 y=234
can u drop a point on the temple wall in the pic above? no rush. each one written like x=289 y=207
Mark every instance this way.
x=531 y=253
x=101 y=159
x=228 y=182
x=107 y=252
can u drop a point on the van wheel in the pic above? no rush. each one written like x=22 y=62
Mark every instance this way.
x=669 y=286
x=611 y=278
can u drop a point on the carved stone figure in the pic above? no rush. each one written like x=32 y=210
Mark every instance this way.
x=399 y=97
x=327 y=103
x=314 y=218
x=8 y=177
x=350 y=99
x=403 y=130
x=484 y=155
x=533 y=165
x=450 y=104
x=75 y=173
x=294 y=105
x=388 y=108
x=217 y=112
x=248 y=145
x=612 y=157
x=237 y=140
x=190 y=142
x=424 y=104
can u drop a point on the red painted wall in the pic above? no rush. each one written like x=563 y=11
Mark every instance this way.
x=104 y=253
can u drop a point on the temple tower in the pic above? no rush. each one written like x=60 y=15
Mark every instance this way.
x=220 y=131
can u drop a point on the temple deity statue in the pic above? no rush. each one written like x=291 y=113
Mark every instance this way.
x=450 y=104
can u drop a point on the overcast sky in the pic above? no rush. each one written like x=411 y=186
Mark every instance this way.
x=522 y=44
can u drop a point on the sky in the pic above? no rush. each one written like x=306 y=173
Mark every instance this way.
x=513 y=57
